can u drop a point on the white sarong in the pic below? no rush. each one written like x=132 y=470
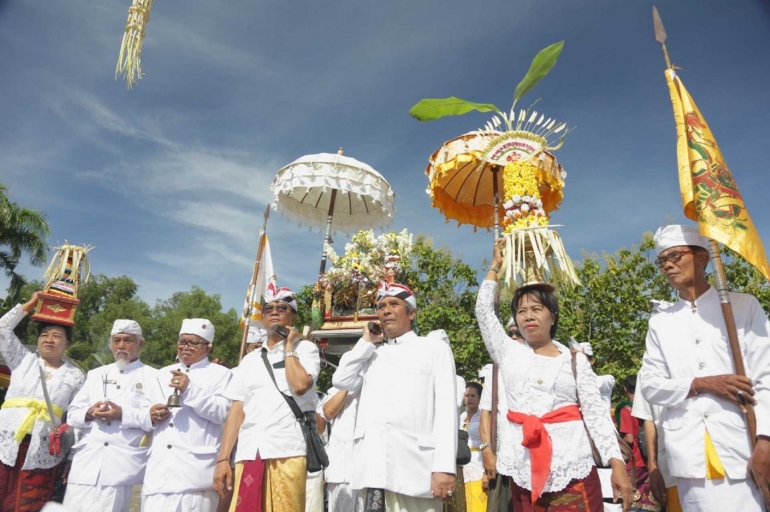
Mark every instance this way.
x=89 y=498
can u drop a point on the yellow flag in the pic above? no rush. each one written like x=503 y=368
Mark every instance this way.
x=709 y=193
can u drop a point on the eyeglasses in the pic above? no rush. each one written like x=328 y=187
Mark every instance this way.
x=673 y=257
x=191 y=343
x=280 y=309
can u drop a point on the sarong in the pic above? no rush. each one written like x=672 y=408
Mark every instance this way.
x=583 y=495
x=272 y=485
x=198 y=501
x=394 y=502
x=723 y=494
x=475 y=497
x=25 y=491
x=646 y=501
x=456 y=503
x=343 y=498
x=104 y=498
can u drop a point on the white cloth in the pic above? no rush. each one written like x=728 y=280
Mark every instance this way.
x=198 y=326
x=256 y=335
x=343 y=498
x=122 y=326
x=702 y=495
x=406 y=427
x=587 y=348
x=646 y=411
x=63 y=384
x=677 y=235
x=474 y=470
x=340 y=446
x=280 y=294
x=185 y=447
x=606 y=385
x=684 y=343
x=396 y=290
x=101 y=498
x=197 y=501
x=460 y=387
x=400 y=503
x=269 y=427
x=485 y=404
x=314 y=492
x=109 y=454
x=537 y=385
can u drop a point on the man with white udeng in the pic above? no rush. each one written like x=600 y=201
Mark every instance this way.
x=110 y=457
x=271 y=465
x=405 y=438
x=687 y=369
x=186 y=439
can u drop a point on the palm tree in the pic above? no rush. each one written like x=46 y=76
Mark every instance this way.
x=21 y=231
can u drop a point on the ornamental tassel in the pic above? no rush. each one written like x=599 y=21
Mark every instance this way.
x=130 y=58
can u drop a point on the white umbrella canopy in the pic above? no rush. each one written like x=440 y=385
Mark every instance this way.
x=304 y=191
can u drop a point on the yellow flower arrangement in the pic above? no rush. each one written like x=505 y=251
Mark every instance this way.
x=523 y=205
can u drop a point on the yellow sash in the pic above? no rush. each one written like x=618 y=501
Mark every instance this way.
x=37 y=411
x=714 y=467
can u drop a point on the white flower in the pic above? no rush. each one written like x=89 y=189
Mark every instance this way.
x=524 y=208
x=563 y=175
x=516 y=198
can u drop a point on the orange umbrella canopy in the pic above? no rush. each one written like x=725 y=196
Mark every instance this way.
x=462 y=172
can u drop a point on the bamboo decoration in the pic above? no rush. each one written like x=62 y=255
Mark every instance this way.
x=130 y=58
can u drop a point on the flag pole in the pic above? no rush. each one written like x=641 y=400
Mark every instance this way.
x=719 y=274
x=252 y=290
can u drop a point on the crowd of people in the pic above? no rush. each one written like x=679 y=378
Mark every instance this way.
x=390 y=434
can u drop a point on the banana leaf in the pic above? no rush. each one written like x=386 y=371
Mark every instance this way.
x=435 y=108
x=541 y=65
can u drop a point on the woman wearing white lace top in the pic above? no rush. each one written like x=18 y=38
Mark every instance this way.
x=546 y=450
x=473 y=472
x=28 y=471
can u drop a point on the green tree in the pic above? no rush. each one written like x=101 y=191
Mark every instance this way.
x=21 y=231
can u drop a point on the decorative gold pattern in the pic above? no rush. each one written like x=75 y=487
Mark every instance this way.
x=55 y=308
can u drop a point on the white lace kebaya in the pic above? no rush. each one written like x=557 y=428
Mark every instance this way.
x=536 y=385
x=63 y=383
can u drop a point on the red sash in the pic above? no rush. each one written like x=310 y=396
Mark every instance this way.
x=537 y=440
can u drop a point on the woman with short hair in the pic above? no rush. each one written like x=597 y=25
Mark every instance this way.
x=546 y=451
x=27 y=470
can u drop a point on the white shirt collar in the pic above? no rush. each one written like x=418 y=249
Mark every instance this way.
x=200 y=364
x=707 y=296
x=404 y=338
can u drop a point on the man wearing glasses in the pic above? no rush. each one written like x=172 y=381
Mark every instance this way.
x=187 y=438
x=687 y=369
x=271 y=470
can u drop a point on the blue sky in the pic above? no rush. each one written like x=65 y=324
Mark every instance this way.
x=169 y=180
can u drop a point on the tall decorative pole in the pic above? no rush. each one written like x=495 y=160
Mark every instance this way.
x=253 y=286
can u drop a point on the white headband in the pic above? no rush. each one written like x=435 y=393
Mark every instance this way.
x=282 y=294
x=396 y=290
x=198 y=326
x=126 y=327
x=677 y=235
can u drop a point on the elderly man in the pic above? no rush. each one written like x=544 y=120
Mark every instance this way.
x=687 y=369
x=338 y=409
x=270 y=471
x=186 y=439
x=406 y=427
x=110 y=457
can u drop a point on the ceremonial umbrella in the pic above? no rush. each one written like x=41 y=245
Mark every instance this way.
x=327 y=189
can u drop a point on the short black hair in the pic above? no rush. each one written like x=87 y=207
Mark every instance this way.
x=630 y=383
x=42 y=326
x=546 y=298
x=475 y=385
x=696 y=249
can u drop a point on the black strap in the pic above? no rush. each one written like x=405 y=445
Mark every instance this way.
x=289 y=399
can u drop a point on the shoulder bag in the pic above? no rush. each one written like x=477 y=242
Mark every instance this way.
x=316 y=454
x=62 y=437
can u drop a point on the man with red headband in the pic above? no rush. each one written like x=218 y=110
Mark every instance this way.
x=405 y=437
x=270 y=470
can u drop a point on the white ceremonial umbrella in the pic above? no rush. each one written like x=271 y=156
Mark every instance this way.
x=320 y=189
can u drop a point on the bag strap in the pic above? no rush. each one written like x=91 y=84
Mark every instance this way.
x=289 y=399
x=47 y=398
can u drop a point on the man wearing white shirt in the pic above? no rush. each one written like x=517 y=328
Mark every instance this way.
x=271 y=470
x=687 y=369
x=186 y=439
x=110 y=457
x=339 y=410
x=405 y=438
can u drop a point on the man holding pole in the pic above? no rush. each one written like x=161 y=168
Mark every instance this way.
x=688 y=369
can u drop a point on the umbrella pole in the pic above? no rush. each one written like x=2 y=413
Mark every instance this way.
x=328 y=237
x=252 y=291
x=495 y=191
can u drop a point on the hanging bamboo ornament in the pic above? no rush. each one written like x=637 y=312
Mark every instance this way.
x=130 y=58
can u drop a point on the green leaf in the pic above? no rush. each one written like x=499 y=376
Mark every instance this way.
x=435 y=108
x=541 y=65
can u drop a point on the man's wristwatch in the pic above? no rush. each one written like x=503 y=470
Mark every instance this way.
x=482 y=446
x=292 y=353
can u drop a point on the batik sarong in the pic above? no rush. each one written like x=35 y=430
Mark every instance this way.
x=25 y=491
x=272 y=485
x=584 y=495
